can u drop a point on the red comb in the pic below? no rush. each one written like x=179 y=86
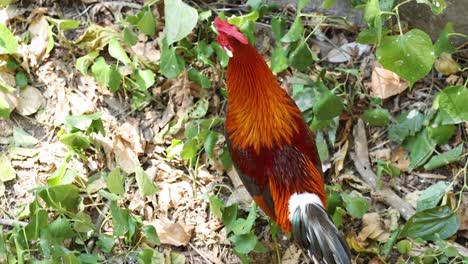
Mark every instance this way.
x=229 y=30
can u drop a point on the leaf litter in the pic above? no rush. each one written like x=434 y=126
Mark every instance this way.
x=180 y=211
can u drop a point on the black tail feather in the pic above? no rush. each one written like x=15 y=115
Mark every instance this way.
x=313 y=229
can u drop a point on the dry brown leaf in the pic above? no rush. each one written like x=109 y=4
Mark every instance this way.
x=340 y=156
x=382 y=154
x=372 y=228
x=39 y=30
x=292 y=255
x=385 y=83
x=176 y=234
x=130 y=132
x=125 y=156
x=346 y=51
x=172 y=194
x=400 y=159
x=455 y=80
x=10 y=99
x=445 y=64
x=147 y=53
x=96 y=37
x=29 y=101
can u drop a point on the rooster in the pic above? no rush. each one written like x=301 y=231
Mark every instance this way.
x=274 y=152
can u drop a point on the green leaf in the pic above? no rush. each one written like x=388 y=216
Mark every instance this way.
x=82 y=63
x=240 y=21
x=181 y=19
x=129 y=37
x=229 y=216
x=277 y=26
x=322 y=146
x=171 y=65
x=88 y=123
x=376 y=117
x=114 y=182
x=60 y=229
x=244 y=244
x=145 y=185
x=65 y=24
x=117 y=52
x=100 y=71
x=408 y=124
x=441 y=134
x=437 y=6
x=7 y=172
x=21 y=79
x=220 y=53
x=451 y=102
x=203 y=52
x=226 y=159
x=199 y=109
x=372 y=11
x=119 y=219
x=105 y=243
x=147 y=22
x=196 y=76
x=205 y=15
x=355 y=205
x=83 y=223
x=328 y=106
x=328 y=3
x=421 y=148
x=431 y=196
x=431 y=224
x=279 y=61
x=404 y=246
x=190 y=149
x=210 y=143
x=60 y=197
x=443 y=42
x=38 y=222
x=144 y=79
x=410 y=55
x=8 y=42
x=301 y=57
x=216 y=206
x=295 y=32
x=76 y=140
x=22 y=139
x=150 y=233
x=445 y=158
x=114 y=79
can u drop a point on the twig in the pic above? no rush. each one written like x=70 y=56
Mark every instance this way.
x=207 y=258
x=363 y=166
x=12 y=222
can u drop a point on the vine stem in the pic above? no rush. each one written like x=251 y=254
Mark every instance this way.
x=397 y=11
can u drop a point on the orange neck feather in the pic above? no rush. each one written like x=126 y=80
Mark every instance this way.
x=260 y=113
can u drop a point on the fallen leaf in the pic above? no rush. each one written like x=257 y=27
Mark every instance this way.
x=446 y=65
x=340 y=156
x=147 y=53
x=385 y=83
x=96 y=37
x=372 y=228
x=29 y=101
x=125 y=156
x=176 y=234
x=292 y=255
x=7 y=172
x=130 y=132
x=39 y=30
x=382 y=154
x=400 y=159
x=347 y=51
x=240 y=195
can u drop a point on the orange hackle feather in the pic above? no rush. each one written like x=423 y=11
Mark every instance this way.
x=274 y=151
x=264 y=124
